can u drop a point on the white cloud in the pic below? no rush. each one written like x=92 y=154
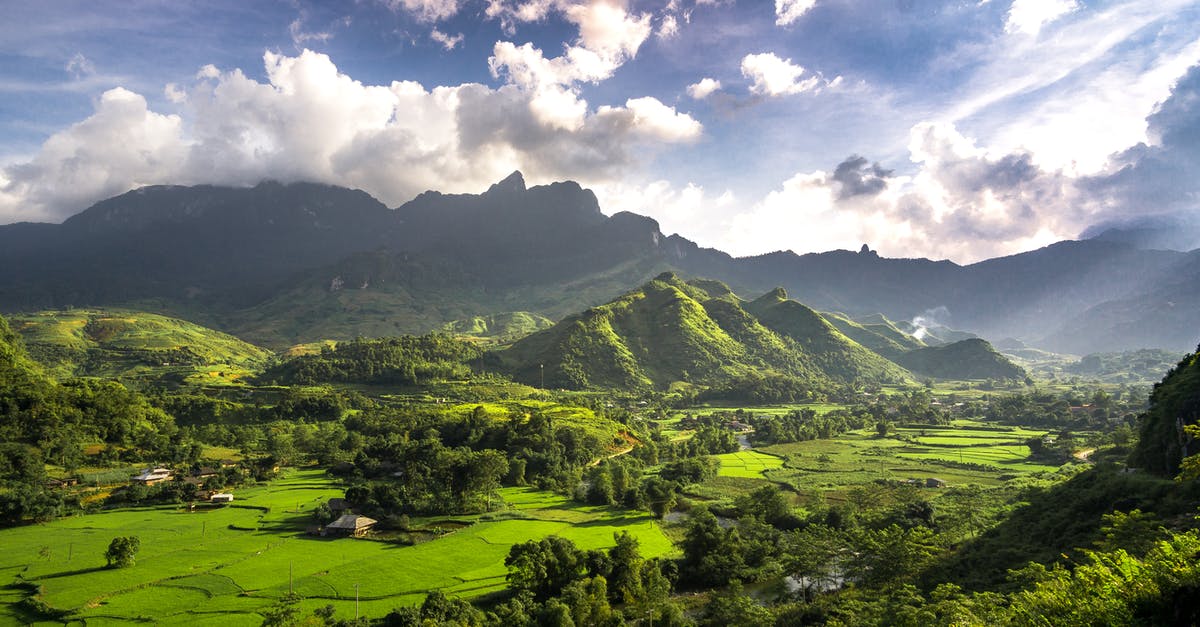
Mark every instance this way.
x=788 y=11
x=426 y=10
x=301 y=37
x=704 y=88
x=1029 y=16
x=449 y=42
x=608 y=37
x=309 y=121
x=668 y=27
x=651 y=118
x=174 y=93
x=606 y=28
x=963 y=203
x=690 y=211
x=1074 y=98
x=121 y=145
x=772 y=76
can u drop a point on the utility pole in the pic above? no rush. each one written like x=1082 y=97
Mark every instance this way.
x=542 y=372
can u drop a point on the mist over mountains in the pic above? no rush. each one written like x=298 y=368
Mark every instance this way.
x=280 y=264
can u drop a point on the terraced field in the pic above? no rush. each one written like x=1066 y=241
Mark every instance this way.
x=227 y=565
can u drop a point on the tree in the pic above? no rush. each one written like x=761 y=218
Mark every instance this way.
x=543 y=567
x=121 y=551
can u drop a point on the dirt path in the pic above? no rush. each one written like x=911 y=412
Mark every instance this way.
x=625 y=436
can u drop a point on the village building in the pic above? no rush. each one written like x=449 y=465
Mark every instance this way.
x=152 y=476
x=221 y=497
x=350 y=525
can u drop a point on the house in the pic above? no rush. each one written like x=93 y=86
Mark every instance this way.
x=152 y=476
x=738 y=426
x=350 y=525
x=205 y=472
x=934 y=482
x=221 y=497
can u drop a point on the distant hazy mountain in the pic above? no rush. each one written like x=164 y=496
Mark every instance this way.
x=282 y=264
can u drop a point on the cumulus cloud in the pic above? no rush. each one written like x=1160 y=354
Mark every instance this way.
x=121 y=145
x=703 y=89
x=788 y=11
x=309 y=121
x=773 y=76
x=609 y=36
x=962 y=203
x=1163 y=174
x=1029 y=16
x=651 y=118
x=966 y=202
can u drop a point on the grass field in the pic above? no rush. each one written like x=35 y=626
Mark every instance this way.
x=862 y=457
x=228 y=564
x=747 y=464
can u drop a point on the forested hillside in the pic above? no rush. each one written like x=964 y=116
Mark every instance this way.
x=1168 y=431
x=699 y=333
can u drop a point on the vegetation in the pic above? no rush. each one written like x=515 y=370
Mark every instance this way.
x=133 y=346
x=1174 y=405
x=699 y=333
x=875 y=501
x=405 y=360
x=121 y=551
x=965 y=359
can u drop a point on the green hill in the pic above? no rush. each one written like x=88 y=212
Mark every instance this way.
x=128 y=344
x=879 y=334
x=838 y=356
x=1175 y=402
x=670 y=331
x=500 y=327
x=965 y=359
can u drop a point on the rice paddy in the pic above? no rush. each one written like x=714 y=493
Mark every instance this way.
x=227 y=565
x=747 y=464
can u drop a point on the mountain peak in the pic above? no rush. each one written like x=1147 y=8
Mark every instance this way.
x=512 y=183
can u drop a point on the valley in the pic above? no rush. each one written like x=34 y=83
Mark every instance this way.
x=597 y=434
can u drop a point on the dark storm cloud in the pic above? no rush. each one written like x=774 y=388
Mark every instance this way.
x=859 y=177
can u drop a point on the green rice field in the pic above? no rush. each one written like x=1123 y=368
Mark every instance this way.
x=747 y=464
x=228 y=564
x=958 y=455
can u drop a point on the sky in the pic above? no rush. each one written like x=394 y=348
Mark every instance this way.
x=958 y=129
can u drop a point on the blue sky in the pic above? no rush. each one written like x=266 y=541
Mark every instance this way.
x=959 y=129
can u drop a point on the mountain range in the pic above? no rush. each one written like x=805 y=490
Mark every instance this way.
x=280 y=264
